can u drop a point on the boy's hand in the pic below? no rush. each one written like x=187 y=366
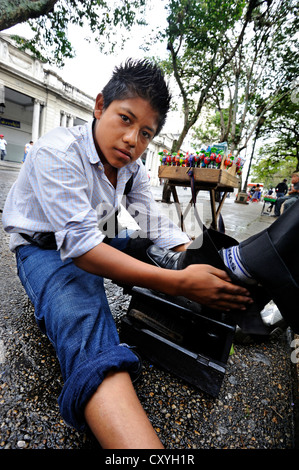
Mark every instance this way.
x=212 y=287
x=201 y=283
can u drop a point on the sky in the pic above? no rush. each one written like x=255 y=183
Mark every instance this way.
x=91 y=69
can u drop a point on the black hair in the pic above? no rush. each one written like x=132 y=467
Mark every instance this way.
x=139 y=78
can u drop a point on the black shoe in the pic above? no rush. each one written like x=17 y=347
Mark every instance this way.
x=164 y=258
x=274 y=321
x=205 y=250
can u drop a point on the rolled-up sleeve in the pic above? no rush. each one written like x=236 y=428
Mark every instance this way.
x=79 y=235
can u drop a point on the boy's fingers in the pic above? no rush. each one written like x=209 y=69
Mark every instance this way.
x=234 y=288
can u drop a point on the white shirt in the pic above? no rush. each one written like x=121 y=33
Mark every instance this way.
x=63 y=189
x=3 y=143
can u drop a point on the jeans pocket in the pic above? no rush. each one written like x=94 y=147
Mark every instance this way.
x=21 y=257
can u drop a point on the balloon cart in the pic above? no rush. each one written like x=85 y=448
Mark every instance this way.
x=268 y=205
x=212 y=180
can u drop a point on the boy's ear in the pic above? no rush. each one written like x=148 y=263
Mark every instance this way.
x=99 y=106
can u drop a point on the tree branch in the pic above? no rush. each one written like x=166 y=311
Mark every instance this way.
x=18 y=11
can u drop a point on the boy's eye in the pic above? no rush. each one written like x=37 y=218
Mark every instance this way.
x=146 y=135
x=124 y=118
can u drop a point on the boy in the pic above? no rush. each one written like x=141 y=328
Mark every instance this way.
x=63 y=251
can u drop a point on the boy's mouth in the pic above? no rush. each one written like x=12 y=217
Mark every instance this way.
x=125 y=153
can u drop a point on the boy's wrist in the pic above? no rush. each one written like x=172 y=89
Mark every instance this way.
x=170 y=281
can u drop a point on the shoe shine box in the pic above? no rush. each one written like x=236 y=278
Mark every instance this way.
x=179 y=336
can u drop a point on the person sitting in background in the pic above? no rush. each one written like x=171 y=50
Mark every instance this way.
x=257 y=194
x=288 y=200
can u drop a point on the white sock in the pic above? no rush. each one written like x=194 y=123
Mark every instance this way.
x=232 y=260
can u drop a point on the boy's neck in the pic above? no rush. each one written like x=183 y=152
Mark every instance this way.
x=111 y=173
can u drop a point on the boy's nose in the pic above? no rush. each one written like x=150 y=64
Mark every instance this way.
x=131 y=137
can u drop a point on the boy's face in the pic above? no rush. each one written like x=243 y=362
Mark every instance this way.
x=123 y=131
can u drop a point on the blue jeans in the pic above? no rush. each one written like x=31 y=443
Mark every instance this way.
x=71 y=308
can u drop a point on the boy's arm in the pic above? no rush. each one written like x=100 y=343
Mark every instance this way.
x=201 y=283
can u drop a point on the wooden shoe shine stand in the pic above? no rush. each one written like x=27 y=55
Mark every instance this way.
x=205 y=179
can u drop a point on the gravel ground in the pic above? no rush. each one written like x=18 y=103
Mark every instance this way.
x=254 y=410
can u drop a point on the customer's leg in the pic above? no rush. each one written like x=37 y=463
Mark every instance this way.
x=270 y=258
x=288 y=203
x=278 y=203
x=278 y=242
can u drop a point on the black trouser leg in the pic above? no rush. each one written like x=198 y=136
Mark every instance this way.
x=272 y=258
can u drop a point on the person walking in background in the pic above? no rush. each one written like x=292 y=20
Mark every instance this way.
x=281 y=189
x=3 y=145
x=26 y=149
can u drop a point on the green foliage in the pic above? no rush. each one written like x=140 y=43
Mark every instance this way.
x=197 y=35
x=247 y=94
x=280 y=157
x=213 y=128
x=50 y=32
x=271 y=172
x=196 y=32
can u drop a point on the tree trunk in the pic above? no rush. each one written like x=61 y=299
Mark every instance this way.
x=17 y=12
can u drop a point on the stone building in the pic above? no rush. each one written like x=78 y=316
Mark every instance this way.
x=34 y=100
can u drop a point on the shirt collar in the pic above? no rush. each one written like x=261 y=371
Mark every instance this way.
x=92 y=154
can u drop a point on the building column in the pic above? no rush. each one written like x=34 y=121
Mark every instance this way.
x=63 y=119
x=42 y=119
x=70 y=120
x=35 y=120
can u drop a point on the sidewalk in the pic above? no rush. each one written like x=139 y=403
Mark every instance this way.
x=7 y=165
x=254 y=410
x=240 y=220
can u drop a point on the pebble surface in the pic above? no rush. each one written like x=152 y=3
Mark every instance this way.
x=254 y=410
